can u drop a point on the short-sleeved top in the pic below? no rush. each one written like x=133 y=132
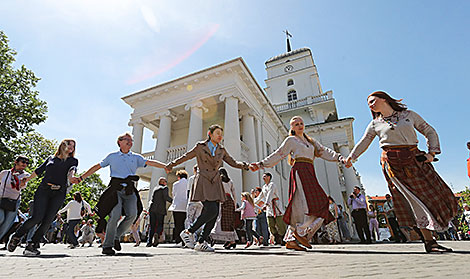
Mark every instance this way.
x=123 y=164
x=400 y=132
x=55 y=170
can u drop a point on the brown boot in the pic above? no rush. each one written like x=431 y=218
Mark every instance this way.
x=293 y=245
x=302 y=240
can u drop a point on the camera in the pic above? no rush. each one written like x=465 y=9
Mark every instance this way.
x=351 y=196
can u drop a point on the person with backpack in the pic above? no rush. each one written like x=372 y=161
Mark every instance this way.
x=76 y=210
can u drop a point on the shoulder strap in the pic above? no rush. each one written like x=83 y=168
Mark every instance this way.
x=5 y=184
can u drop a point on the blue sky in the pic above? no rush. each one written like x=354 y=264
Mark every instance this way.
x=91 y=53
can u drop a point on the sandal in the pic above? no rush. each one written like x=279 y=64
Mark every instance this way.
x=431 y=246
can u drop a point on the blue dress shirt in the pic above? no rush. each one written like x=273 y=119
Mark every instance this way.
x=123 y=164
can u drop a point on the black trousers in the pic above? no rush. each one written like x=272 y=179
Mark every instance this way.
x=155 y=225
x=397 y=234
x=210 y=211
x=362 y=226
x=179 y=218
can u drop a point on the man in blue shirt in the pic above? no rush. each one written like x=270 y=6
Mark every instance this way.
x=357 y=201
x=123 y=164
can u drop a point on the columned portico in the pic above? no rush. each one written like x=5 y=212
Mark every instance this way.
x=232 y=139
x=195 y=132
x=250 y=179
x=163 y=143
x=137 y=133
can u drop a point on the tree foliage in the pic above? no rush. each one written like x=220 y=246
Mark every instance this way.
x=20 y=107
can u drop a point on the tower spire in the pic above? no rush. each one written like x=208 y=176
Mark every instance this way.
x=288 y=41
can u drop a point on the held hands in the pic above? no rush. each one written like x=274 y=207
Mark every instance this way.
x=254 y=167
x=74 y=180
x=347 y=162
x=429 y=158
x=168 y=168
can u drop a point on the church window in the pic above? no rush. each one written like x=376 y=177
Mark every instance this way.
x=290 y=82
x=291 y=95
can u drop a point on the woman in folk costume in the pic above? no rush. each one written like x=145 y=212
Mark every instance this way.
x=208 y=188
x=308 y=204
x=420 y=197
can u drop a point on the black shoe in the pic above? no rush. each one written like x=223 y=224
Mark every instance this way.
x=117 y=245
x=31 y=250
x=149 y=244
x=155 y=244
x=108 y=251
x=231 y=246
x=13 y=243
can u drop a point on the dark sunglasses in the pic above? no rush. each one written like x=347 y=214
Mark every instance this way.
x=23 y=161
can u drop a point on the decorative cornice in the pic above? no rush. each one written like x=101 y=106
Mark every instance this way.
x=224 y=96
x=134 y=121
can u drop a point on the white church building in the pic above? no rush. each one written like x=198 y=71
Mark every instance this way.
x=255 y=120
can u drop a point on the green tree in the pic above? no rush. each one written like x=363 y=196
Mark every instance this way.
x=20 y=107
x=90 y=188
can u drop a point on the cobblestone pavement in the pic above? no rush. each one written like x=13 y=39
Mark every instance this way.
x=168 y=261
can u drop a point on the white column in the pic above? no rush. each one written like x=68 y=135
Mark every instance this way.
x=137 y=133
x=163 y=143
x=232 y=140
x=260 y=146
x=195 y=132
x=350 y=177
x=250 y=179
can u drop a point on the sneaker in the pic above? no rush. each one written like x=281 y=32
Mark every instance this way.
x=13 y=243
x=188 y=239
x=31 y=250
x=117 y=245
x=203 y=247
x=73 y=246
x=108 y=251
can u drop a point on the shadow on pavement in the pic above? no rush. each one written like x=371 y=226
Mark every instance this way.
x=136 y=255
x=257 y=252
x=44 y=256
x=382 y=252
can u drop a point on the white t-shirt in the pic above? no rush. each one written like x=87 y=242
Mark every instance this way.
x=180 y=199
x=73 y=209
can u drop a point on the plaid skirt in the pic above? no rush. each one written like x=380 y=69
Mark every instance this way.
x=422 y=180
x=227 y=220
x=317 y=200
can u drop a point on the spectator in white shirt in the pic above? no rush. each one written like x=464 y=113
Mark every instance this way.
x=76 y=209
x=180 y=201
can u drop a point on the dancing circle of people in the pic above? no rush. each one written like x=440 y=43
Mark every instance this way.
x=204 y=205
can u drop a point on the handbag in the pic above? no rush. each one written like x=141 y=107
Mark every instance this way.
x=7 y=203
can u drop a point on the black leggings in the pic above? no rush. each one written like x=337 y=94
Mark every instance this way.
x=47 y=203
x=210 y=211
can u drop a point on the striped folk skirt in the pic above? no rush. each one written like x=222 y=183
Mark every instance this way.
x=420 y=197
x=303 y=175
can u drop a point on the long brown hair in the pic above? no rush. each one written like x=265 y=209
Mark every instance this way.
x=394 y=103
x=60 y=152
x=291 y=160
x=248 y=198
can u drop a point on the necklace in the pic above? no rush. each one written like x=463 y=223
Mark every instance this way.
x=303 y=141
x=390 y=120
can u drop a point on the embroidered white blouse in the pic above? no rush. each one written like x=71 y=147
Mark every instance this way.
x=399 y=132
x=297 y=148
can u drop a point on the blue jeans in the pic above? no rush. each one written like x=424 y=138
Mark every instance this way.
x=47 y=203
x=7 y=218
x=71 y=231
x=113 y=231
x=262 y=227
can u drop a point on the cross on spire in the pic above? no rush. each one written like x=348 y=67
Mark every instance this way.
x=288 y=41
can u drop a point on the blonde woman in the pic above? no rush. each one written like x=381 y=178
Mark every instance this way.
x=308 y=204
x=49 y=196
